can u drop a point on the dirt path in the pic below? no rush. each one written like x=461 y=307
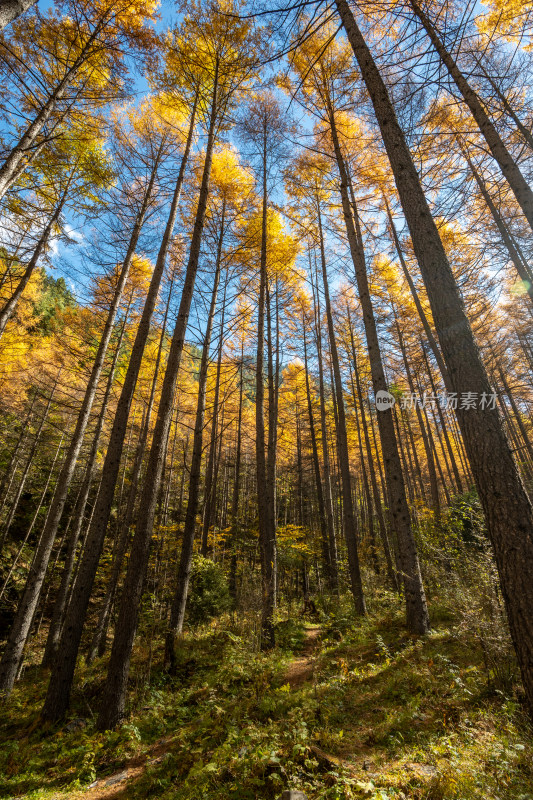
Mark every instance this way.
x=301 y=669
x=116 y=787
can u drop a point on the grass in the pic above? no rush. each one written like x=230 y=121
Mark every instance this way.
x=384 y=716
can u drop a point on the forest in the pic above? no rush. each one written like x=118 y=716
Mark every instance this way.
x=266 y=392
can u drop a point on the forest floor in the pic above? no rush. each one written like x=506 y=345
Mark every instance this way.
x=345 y=709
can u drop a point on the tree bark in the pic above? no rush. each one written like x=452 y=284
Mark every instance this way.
x=506 y=505
x=57 y=699
x=179 y=601
x=114 y=694
x=350 y=523
x=60 y=604
x=416 y=608
x=11 y=9
x=499 y=151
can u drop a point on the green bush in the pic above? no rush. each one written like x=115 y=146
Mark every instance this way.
x=208 y=591
x=290 y=634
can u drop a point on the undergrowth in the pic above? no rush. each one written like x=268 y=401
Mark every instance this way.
x=383 y=716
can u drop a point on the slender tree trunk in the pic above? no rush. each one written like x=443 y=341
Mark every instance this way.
x=19 y=632
x=526 y=134
x=350 y=523
x=179 y=600
x=414 y=294
x=506 y=505
x=458 y=481
x=328 y=494
x=366 y=485
x=58 y=695
x=521 y=266
x=517 y=414
x=266 y=534
x=98 y=641
x=499 y=151
x=210 y=477
x=330 y=564
x=60 y=604
x=373 y=480
x=416 y=608
x=433 y=483
x=114 y=694
x=236 y=487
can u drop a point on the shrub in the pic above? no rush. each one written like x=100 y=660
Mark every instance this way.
x=208 y=591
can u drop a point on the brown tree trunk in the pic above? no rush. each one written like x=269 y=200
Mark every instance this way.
x=11 y=9
x=114 y=694
x=58 y=694
x=416 y=608
x=506 y=505
x=329 y=561
x=98 y=641
x=179 y=600
x=373 y=480
x=267 y=534
x=499 y=151
x=350 y=523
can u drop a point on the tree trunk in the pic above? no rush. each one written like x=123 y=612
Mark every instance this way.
x=507 y=507
x=114 y=694
x=433 y=483
x=414 y=294
x=11 y=9
x=330 y=564
x=521 y=266
x=57 y=699
x=350 y=523
x=98 y=641
x=373 y=480
x=416 y=608
x=210 y=476
x=500 y=153
x=60 y=604
x=266 y=534
x=179 y=601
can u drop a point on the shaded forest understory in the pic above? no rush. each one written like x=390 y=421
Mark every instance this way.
x=337 y=710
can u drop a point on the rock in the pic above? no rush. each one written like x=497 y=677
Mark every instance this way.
x=120 y=776
x=293 y=794
x=75 y=725
x=423 y=770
